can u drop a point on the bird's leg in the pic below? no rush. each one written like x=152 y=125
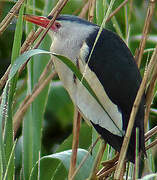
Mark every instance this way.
x=105 y=173
x=112 y=161
x=108 y=167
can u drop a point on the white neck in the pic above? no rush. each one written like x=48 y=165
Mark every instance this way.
x=68 y=43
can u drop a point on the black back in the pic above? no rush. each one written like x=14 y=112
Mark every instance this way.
x=117 y=71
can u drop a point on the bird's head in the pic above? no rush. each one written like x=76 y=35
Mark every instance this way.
x=67 y=32
x=65 y=26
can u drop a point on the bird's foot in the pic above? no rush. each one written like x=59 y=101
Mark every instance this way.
x=106 y=172
x=108 y=167
x=112 y=161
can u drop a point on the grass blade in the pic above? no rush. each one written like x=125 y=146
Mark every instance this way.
x=32 y=127
x=8 y=129
x=3 y=116
x=10 y=161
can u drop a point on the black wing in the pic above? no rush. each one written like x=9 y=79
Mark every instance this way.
x=117 y=71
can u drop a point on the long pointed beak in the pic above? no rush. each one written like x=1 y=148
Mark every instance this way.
x=38 y=20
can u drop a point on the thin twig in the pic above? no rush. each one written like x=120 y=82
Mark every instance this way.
x=28 y=42
x=91 y=10
x=26 y=45
x=5 y=77
x=46 y=70
x=47 y=29
x=54 y=13
x=44 y=74
x=139 y=52
x=116 y=10
x=6 y=21
x=97 y=160
x=84 y=10
x=75 y=143
x=150 y=96
x=28 y=100
x=30 y=38
x=131 y=10
x=107 y=173
x=59 y=6
x=123 y=151
x=85 y=158
x=151 y=144
x=17 y=122
x=150 y=133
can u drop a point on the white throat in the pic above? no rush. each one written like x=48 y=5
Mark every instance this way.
x=68 y=41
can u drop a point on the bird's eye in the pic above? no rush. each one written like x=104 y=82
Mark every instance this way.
x=57 y=25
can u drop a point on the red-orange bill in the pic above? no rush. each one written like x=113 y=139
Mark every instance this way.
x=39 y=20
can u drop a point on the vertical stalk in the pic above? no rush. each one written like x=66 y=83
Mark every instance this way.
x=75 y=143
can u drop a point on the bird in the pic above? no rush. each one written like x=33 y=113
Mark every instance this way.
x=109 y=68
